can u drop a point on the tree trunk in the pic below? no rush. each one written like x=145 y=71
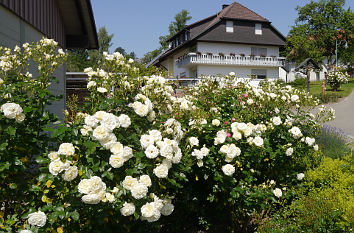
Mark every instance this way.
x=308 y=72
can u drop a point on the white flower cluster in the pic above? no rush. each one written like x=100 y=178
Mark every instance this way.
x=38 y=219
x=193 y=141
x=56 y=166
x=154 y=145
x=295 y=132
x=152 y=211
x=143 y=107
x=138 y=188
x=231 y=151
x=13 y=111
x=94 y=190
x=174 y=129
x=200 y=154
x=183 y=103
x=102 y=125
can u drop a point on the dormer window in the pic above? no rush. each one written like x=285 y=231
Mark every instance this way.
x=258 y=29
x=230 y=26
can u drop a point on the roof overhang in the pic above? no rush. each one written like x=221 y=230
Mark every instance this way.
x=79 y=23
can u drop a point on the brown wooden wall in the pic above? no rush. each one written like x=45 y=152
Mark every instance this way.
x=44 y=15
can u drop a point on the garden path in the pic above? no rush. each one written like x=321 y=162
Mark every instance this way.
x=344 y=115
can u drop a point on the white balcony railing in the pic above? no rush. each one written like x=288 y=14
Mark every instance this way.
x=237 y=60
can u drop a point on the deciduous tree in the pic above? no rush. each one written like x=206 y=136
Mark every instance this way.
x=318 y=25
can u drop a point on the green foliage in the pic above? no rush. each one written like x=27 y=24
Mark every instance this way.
x=333 y=143
x=150 y=55
x=180 y=22
x=325 y=202
x=104 y=43
x=175 y=26
x=318 y=26
x=78 y=60
x=299 y=82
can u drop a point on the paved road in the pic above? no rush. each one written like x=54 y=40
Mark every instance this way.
x=344 y=115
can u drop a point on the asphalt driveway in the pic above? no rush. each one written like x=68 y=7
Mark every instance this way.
x=344 y=115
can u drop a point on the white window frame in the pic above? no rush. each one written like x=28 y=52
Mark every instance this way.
x=258 y=29
x=229 y=26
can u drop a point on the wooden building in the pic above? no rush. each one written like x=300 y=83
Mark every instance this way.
x=69 y=22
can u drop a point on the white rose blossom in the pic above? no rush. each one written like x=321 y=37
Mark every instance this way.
x=277 y=192
x=215 y=122
x=124 y=121
x=127 y=209
x=289 y=151
x=161 y=171
x=193 y=141
x=276 y=121
x=70 y=173
x=300 y=176
x=55 y=167
x=139 y=191
x=38 y=219
x=228 y=169
x=66 y=149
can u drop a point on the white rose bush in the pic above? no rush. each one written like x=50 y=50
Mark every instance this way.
x=136 y=157
x=23 y=122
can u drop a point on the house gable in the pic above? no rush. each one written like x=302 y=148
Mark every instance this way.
x=244 y=33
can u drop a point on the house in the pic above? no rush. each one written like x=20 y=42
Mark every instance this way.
x=236 y=39
x=290 y=72
x=69 y=22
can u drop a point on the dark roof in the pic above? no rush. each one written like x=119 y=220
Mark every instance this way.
x=235 y=11
x=79 y=23
x=306 y=62
x=238 y=11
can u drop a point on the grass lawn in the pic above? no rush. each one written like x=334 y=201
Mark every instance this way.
x=330 y=95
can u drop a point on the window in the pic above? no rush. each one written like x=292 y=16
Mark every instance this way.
x=229 y=26
x=257 y=51
x=258 y=29
x=258 y=74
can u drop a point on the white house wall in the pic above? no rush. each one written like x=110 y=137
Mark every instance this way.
x=237 y=49
x=241 y=72
x=178 y=70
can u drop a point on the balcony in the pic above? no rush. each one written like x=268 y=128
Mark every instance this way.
x=191 y=59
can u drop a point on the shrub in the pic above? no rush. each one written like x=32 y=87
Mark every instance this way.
x=336 y=78
x=333 y=142
x=23 y=120
x=134 y=152
x=299 y=82
x=325 y=202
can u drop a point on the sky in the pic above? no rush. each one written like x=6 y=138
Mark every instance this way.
x=137 y=24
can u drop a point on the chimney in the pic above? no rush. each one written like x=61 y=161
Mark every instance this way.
x=225 y=5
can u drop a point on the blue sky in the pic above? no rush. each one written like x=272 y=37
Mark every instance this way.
x=137 y=24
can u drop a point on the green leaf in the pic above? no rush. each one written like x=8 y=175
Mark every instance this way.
x=75 y=215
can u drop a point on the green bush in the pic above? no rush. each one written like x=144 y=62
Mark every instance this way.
x=325 y=204
x=299 y=82
x=333 y=142
x=218 y=157
x=327 y=97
